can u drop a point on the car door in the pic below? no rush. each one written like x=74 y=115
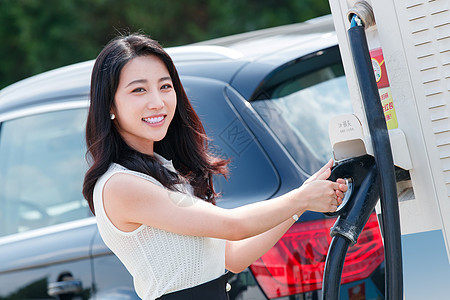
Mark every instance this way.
x=46 y=227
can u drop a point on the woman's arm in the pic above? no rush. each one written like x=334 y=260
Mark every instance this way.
x=130 y=201
x=240 y=254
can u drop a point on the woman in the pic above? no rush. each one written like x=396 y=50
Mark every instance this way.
x=159 y=218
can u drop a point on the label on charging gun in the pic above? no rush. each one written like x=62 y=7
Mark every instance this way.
x=379 y=69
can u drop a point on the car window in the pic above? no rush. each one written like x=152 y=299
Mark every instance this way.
x=299 y=109
x=42 y=166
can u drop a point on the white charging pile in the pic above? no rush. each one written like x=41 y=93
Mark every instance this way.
x=409 y=45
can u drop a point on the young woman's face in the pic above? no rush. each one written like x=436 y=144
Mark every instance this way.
x=144 y=103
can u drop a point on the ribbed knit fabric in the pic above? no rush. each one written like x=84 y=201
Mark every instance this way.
x=159 y=261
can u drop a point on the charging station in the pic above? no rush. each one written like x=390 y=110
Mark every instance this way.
x=407 y=43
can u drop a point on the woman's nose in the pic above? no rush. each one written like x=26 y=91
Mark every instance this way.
x=155 y=101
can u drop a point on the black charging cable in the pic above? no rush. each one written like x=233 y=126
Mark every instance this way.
x=379 y=180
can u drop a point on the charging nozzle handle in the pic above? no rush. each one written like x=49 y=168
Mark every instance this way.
x=354 y=170
x=355 y=214
x=355 y=211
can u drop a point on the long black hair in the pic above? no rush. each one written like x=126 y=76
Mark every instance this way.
x=185 y=143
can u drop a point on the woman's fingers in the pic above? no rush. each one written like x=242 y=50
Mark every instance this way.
x=326 y=195
x=323 y=173
x=339 y=189
x=339 y=194
x=342 y=188
x=340 y=180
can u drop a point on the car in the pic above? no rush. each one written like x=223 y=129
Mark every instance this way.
x=265 y=98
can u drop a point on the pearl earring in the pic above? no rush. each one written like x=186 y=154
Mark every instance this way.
x=112 y=116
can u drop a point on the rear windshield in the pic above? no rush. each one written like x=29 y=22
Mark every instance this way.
x=298 y=111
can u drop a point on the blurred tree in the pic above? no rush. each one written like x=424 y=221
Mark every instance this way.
x=41 y=35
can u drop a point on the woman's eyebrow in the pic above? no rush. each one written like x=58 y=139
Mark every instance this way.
x=137 y=81
x=142 y=81
x=165 y=78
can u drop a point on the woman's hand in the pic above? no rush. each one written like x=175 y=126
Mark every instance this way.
x=322 y=174
x=321 y=194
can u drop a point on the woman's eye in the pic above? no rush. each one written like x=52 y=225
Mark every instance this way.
x=138 y=90
x=166 y=86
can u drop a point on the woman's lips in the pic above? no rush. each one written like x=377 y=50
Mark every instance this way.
x=155 y=120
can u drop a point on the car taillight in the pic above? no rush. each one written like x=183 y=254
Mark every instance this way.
x=295 y=264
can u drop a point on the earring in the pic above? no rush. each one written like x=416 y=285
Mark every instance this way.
x=112 y=116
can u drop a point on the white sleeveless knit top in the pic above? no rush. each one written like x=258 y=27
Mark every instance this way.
x=159 y=261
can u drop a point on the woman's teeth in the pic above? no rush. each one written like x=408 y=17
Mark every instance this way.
x=153 y=120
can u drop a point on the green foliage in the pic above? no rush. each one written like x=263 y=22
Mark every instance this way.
x=39 y=35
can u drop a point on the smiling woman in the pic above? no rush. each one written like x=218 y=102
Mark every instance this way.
x=185 y=140
x=150 y=211
x=144 y=104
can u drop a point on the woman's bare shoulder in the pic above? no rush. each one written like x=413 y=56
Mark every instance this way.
x=125 y=196
x=128 y=184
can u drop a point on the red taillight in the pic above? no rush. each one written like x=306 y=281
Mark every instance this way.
x=295 y=264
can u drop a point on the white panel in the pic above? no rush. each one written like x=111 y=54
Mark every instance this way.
x=436 y=99
x=426 y=34
x=415 y=39
x=440 y=126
